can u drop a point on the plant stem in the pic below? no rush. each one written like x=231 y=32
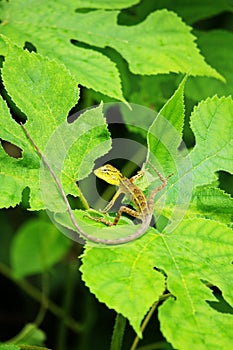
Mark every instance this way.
x=44 y=299
x=158 y=345
x=69 y=292
x=118 y=332
x=32 y=347
x=37 y=295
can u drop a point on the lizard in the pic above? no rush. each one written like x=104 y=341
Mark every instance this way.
x=144 y=207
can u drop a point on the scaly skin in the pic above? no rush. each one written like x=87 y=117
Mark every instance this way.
x=144 y=207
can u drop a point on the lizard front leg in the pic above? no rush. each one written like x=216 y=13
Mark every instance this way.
x=112 y=201
x=139 y=174
x=106 y=209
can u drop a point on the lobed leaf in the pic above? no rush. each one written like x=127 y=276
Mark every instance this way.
x=211 y=122
x=71 y=151
x=123 y=278
x=196 y=252
x=42 y=89
x=52 y=36
x=167 y=47
x=39 y=88
x=162 y=43
x=45 y=91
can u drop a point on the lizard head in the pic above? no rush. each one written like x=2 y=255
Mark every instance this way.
x=109 y=174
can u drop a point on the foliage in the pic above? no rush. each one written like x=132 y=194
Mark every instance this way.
x=175 y=49
x=183 y=265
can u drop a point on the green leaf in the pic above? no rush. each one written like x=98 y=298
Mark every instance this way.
x=52 y=37
x=214 y=200
x=106 y=4
x=195 y=252
x=14 y=175
x=49 y=89
x=171 y=117
x=222 y=58
x=95 y=229
x=71 y=151
x=123 y=278
x=212 y=203
x=198 y=251
x=167 y=47
x=212 y=124
x=36 y=247
x=162 y=43
x=164 y=139
x=30 y=334
x=45 y=91
x=9 y=347
x=32 y=347
x=90 y=144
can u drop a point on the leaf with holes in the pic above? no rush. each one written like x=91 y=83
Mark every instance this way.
x=196 y=252
x=45 y=92
x=162 y=43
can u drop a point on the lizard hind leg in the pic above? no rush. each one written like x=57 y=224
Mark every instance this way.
x=103 y=220
x=122 y=209
x=128 y=211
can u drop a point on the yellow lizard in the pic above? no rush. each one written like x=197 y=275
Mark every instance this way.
x=144 y=207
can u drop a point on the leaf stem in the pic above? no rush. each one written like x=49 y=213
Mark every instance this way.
x=147 y=319
x=82 y=198
x=118 y=332
x=144 y=324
